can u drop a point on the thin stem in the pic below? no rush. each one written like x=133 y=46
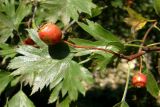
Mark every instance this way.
x=84 y=61
x=34 y=13
x=18 y=34
x=21 y=84
x=132 y=45
x=151 y=20
x=31 y=20
x=150 y=49
x=7 y=101
x=134 y=41
x=146 y=63
x=145 y=35
x=153 y=44
x=127 y=83
x=68 y=26
x=157 y=27
x=140 y=67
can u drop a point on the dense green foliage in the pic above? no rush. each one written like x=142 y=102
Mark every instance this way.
x=97 y=35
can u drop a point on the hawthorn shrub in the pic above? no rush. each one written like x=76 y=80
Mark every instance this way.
x=54 y=51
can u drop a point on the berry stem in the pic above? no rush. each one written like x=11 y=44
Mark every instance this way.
x=68 y=26
x=153 y=44
x=31 y=21
x=155 y=26
x=127 y=83
x=140 y=67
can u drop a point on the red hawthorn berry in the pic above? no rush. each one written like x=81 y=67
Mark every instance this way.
x=139 y=80
x=50 y=33
x=28 y=41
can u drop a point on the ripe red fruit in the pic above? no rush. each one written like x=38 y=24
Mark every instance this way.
x=139 y=80
x=28 y=41
x=50 y=33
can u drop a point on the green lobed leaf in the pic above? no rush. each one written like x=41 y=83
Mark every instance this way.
x=55 y=93
x=101 y=61
x=5 y=79
x=65 y=10
x=65 y=103
x=20 y=100
x=22 y=11
x=74 y=77
x=38 y=69
x=98 y=32
x=6 y=27
x=52 y=71
x=11 y=17
x=9 y=7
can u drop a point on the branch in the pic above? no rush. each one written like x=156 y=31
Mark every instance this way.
x=142 y=49
x=150 y=49
x=128 y=58
x=93 y=48
x=146 y=34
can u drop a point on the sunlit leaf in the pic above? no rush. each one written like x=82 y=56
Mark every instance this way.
x=135 y=20
x=65 y=10
x=55 y=93
x=38 y=68
x=83 y=75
